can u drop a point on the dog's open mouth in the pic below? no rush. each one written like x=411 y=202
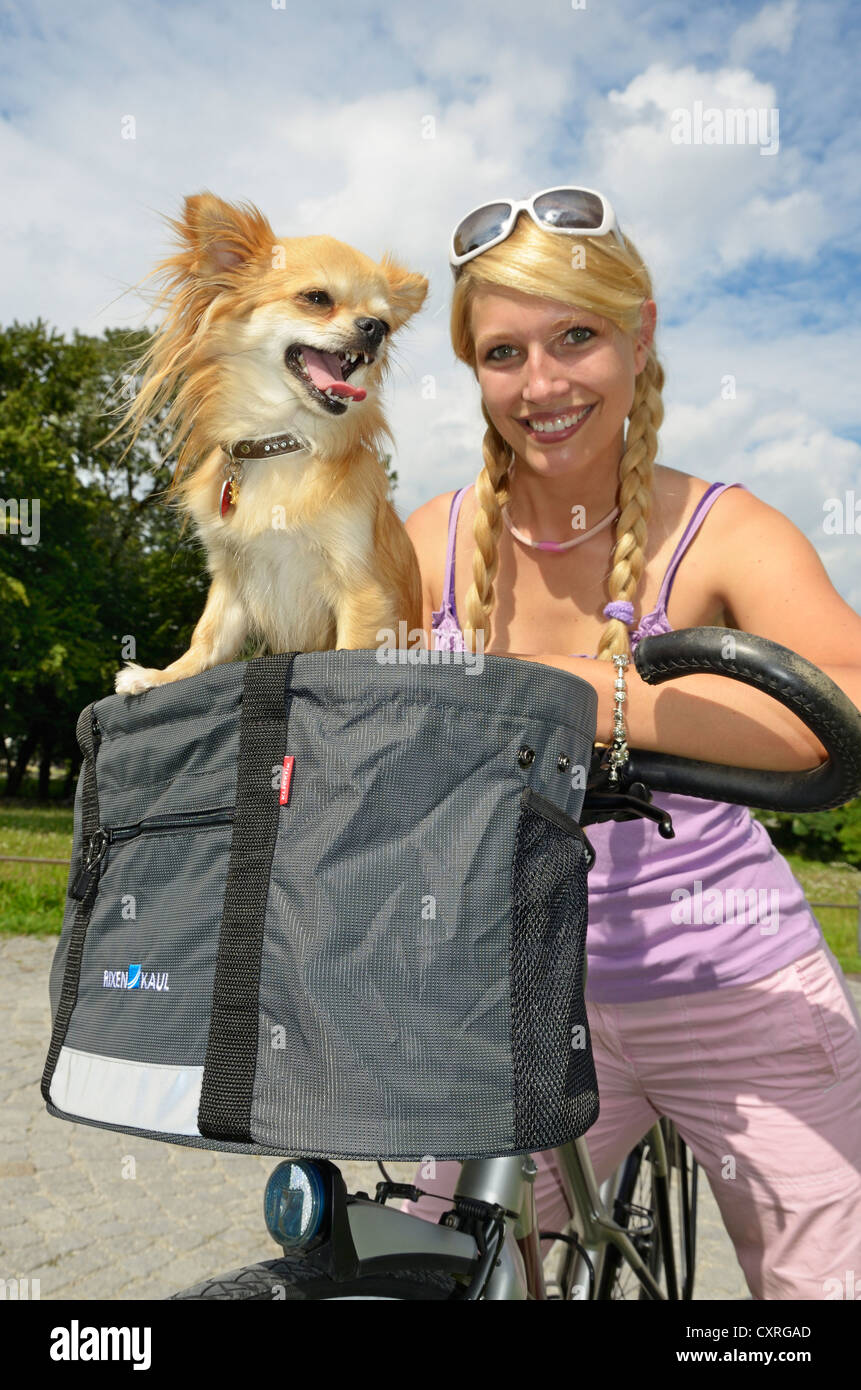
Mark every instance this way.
x=325 y=374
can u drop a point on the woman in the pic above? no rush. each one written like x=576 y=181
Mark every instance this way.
x=739 y=1028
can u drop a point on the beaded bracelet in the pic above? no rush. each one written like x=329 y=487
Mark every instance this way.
x=619 y=751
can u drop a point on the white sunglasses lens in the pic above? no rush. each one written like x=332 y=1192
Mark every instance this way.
x=570 y=207
x=481 y=227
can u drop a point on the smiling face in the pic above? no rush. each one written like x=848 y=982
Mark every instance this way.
x=308 y=342
x=557 y=382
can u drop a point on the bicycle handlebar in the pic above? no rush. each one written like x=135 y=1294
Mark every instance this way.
x=786 y=677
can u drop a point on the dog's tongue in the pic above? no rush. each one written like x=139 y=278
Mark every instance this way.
x=324 y=369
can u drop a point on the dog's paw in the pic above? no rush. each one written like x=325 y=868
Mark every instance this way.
x=134 y=679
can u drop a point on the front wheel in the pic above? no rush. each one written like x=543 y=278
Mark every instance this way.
x=634 y=1208
x=642 y=1206
x=293 y=1280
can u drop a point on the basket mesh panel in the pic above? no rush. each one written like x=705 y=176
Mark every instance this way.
x=555 y=1088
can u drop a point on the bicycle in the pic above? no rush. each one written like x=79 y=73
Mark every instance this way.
x=430 y=1268
x=641 y=1191
x=339 y=1245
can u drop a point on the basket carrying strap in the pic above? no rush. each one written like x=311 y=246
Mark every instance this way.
x=72 y=973
x=231 y=1050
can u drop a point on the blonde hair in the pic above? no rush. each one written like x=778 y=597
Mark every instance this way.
x=610 y=282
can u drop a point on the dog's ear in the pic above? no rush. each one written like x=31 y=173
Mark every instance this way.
x=223 y=237
x=407 y=291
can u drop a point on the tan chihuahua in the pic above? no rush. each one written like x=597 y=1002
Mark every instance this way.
x=273 y=351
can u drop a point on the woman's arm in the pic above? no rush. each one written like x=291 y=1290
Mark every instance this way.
x=708 y=717
x=772 y=583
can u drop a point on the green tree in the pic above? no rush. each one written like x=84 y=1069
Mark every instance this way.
x=824 y=836
x=113 y=559
x=109 y=561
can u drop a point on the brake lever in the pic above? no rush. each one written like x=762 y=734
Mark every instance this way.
x=633 y=803
x=626 y=806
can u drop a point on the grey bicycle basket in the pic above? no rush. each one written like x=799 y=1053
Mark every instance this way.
x=323 y=906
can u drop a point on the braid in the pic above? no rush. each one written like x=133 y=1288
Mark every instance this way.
x=636 y=474
x=492 y=492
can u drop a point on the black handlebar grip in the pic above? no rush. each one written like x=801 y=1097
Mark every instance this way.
x=786 y=677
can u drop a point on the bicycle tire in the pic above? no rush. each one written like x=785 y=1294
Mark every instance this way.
x=686 y=1207
x=294 y=1279
x=639 y=1170
x=609 y=1286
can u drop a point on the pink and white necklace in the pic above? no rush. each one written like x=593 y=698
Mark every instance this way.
x=558 y=545
x=555 y=545
x=622 y=609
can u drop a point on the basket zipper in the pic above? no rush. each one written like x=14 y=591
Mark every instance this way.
x=84 y=878
x=105 y=836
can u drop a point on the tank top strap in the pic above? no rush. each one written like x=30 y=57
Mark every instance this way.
x=448 y=587
x=701 y=510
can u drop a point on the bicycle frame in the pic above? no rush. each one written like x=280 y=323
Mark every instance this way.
x=511 y=1182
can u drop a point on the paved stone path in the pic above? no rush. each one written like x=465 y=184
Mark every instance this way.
x=94 y=1214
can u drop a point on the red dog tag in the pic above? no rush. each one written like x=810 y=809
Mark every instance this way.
x=286 y=774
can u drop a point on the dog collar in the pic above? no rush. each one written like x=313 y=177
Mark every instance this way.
x=264 y=448
x=269 y=447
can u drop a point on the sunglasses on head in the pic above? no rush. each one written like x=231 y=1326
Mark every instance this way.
x=574 y=211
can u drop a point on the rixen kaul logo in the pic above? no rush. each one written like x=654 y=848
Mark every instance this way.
x=136 y=978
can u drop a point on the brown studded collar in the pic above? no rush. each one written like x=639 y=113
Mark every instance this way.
x=243 y=449
x=264 y=448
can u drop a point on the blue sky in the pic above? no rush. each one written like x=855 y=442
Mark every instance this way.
x=319 y=116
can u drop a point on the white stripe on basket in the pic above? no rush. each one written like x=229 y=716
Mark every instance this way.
x=142 y=1095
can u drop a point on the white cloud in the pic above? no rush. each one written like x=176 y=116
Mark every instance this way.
x=318 y=118
x=774 y=27
x=791 y=228
x=698 y=210
x=773 y=365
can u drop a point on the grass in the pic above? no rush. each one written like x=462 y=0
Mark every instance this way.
x=833 y=883
x=33 y=896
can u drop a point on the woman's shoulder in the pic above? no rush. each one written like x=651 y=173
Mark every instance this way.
x=715 y=549
x=428 y=524
x=673 y=487
x=673 y=482
x=676 y=495
x=427 y=528
x=423 y=526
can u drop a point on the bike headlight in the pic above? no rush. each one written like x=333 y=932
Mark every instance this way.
x=294 y=1203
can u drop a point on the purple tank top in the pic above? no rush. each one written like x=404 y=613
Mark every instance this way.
x=716 y=906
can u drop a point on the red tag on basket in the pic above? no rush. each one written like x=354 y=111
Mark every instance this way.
x=286 y=774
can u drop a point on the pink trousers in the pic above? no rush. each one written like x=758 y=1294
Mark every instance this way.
x=763 y=1082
